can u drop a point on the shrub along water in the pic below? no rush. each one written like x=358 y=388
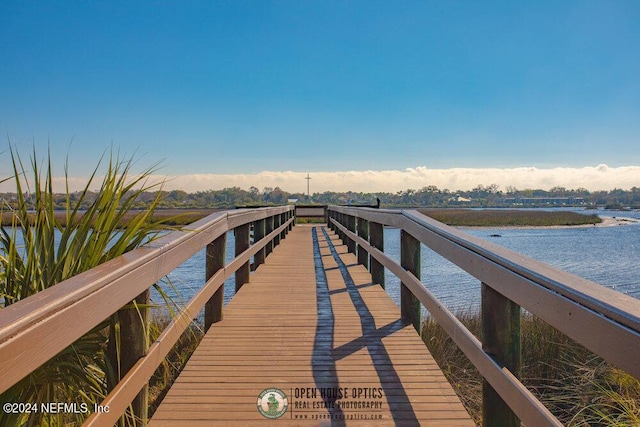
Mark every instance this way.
x=509 y=217
x=40 y=249
x=578 y=387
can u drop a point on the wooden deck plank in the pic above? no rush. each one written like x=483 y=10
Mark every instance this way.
x=289 y=329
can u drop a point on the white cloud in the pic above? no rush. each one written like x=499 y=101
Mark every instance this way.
x=601 y=177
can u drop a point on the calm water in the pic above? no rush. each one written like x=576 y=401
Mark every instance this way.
x=606 y=255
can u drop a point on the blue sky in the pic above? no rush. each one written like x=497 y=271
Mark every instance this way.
x=240 y=87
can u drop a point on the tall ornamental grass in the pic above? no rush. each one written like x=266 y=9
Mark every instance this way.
x=577 y=386
x=40 y=249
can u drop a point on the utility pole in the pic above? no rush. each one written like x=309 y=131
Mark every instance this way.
x=308 y=178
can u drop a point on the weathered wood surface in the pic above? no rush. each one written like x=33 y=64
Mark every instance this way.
x=299 y=325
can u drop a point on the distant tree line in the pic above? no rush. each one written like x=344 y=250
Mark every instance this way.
x=430 y=196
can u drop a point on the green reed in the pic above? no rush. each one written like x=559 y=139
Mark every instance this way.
x=577 y=386
x=509 y=217
x=42 y=248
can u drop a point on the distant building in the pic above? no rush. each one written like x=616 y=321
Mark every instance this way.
x=543 y=201
x=459 y=199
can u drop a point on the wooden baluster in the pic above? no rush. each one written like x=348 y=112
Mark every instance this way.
x=268 y=229
x=501 y=340
x=259 y=228
x=242 y=244
x=276 y=223
x=345 y=223
x=133 y=325
x=410 y=261
x=351 y=226
x=283 y=220
x=363 y=231
x=376 y=239
x=215 y=260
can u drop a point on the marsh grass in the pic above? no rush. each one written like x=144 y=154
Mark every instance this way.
x=168 y=217
x=310 y=220
x=43 y=247
x=169 y=369
x=578 y=387
x=509 y=217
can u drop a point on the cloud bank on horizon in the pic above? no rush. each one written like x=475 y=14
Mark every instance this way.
x=593 y=178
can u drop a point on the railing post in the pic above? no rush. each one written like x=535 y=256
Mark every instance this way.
x=363 y=231
x=351 y=226
x=242 y=244
x=283 y=219
x=128 y=342
x=291 y=214
x=346 y=221
x=410 y=261
x=333 y=215
x=215 y=261
x=276 y=223
x=376 y=239
x=268 y=229
x=259 y=228
x=501 y=340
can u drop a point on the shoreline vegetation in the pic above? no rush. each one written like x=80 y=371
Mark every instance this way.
x=168 y=217
x=577 y=386
x=491 y=196
x=510 y=218
x=456 y=217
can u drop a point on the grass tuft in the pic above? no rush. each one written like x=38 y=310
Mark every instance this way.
x=577 y=386
x=43 y=247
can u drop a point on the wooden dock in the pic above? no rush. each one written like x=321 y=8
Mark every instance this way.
x=312 y=327
x=309 y=339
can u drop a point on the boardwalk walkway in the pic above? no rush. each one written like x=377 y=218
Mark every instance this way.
x=311 y=325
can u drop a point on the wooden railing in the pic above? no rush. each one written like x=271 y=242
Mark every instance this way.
x=603 y=320
x=311 y=211
x=35 y=329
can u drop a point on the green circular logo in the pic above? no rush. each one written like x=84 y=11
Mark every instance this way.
x=272 y=403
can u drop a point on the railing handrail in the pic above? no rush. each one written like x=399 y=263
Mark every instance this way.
x=53 y=319
x=565 y=301
x=608 y=302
